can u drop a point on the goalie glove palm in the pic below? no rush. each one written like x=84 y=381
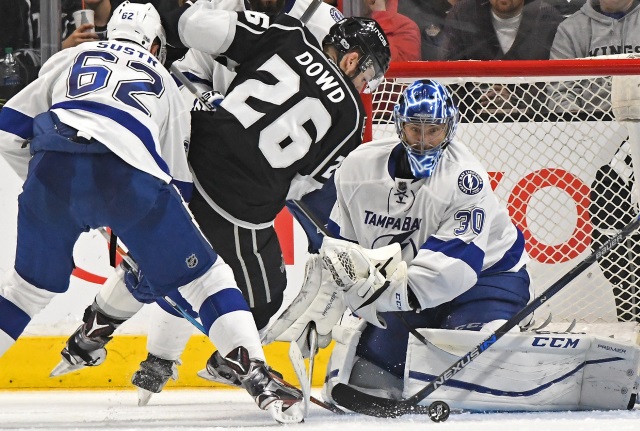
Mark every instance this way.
x=361 y=273
x=370 y=296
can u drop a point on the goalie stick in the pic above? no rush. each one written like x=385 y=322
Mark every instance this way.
x=371 y=405
x=134 y=267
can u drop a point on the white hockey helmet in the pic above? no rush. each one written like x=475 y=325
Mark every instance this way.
x=139 y=23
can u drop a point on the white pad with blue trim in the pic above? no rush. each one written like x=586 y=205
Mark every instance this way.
x=527 y=371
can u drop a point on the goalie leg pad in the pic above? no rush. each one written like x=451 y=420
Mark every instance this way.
x=526 y=371
x=319 y=301
x=343 y=356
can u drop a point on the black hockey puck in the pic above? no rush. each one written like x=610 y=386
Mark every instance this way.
x=439 y=411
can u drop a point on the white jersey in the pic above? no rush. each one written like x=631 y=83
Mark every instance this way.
x=206 y=73
x=115 y=92
x=451 y=226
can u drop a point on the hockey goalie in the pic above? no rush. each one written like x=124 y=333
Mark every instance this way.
x=423 y=265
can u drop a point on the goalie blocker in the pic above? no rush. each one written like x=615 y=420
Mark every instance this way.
x=527 y=371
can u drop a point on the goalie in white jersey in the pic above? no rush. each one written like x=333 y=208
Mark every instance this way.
x=452 y=249
x=108 y=132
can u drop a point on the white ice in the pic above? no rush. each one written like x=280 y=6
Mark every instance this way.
x=234 y=409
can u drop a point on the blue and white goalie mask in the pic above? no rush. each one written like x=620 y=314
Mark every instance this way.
x=426 y=119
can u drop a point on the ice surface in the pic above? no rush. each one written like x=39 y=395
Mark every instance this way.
x=234 y=409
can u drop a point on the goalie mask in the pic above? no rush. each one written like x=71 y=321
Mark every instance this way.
x=138 y=23
x=426 y=119
x=365 y=36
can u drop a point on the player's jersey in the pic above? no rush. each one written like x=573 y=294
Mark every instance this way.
x=115 y=92
x=288 y=119
x=450 y=225
x=206 y=73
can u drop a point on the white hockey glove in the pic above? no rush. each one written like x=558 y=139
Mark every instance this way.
x=319 y=301
x=210 y=101
x=372 y=280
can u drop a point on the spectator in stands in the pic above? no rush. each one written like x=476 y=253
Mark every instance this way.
x=72 y=36
x=403 y=33
x=102 y=13
x=499 y=30
x=566 y=7
x=430 y=17
x=600 y=27
x=14 y=25
x=604 y=27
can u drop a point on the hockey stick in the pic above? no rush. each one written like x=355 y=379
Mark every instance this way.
x=383 y=407
x=132 y=265
x=311 y=9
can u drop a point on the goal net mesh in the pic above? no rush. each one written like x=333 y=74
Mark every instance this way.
x=561 y=164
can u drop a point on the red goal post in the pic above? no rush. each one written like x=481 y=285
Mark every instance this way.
x=558 y=160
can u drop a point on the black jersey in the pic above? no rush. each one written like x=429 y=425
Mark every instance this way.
x=290 y=116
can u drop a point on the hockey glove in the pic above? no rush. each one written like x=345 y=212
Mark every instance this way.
x=139 y=287
x=362 y=276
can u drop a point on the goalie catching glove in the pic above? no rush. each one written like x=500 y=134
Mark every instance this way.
x=372 y=280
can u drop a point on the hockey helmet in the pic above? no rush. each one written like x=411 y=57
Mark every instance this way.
x=425 y=103
x=366 y=36
x=139 y=23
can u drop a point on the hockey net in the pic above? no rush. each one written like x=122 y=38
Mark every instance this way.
x=557 y=159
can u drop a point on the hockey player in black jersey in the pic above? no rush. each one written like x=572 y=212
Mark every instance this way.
x=290 y=116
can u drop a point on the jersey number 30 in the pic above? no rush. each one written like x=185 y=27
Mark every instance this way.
x=288 y=125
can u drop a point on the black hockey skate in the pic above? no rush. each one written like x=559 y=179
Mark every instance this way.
x=218 y=371
x=153 y=375
x=283 y=403
x=85 y=348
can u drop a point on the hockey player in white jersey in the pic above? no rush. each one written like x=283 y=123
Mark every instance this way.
x=425 y=204
x=107 y=133
x=355 y=53
x=421 y=243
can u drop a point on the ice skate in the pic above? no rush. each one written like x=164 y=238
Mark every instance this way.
x=85 y=348
x=218 y=371
x=153 y=375
x=283 y=403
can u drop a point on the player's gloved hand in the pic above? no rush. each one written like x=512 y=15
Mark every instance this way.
x=372 y=280
x=139 y=287
x=210 y=101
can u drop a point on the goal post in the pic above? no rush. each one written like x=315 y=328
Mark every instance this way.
x=557 y=158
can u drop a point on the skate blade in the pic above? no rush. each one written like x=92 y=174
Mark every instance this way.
x=144 y=396
x=293 y=415
x=204 y=374
x=65 y=368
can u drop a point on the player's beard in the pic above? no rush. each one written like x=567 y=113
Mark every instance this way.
x=267 y=6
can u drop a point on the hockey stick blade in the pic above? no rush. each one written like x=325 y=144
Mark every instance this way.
x=371 y=405
x=314 y=400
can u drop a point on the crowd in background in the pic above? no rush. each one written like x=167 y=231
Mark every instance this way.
x=417 y=29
